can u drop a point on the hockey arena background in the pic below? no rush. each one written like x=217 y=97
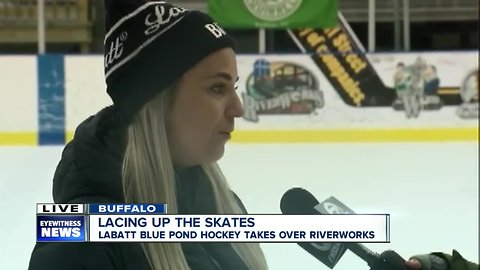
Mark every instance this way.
x=332 y=123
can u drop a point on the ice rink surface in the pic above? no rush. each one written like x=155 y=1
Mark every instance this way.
x=429 y=189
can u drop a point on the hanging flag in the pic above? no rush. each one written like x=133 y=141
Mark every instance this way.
x=274 y=13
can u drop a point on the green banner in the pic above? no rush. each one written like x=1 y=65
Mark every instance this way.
x=274 y=13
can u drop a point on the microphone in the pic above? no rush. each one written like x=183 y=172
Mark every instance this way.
x=300 y=201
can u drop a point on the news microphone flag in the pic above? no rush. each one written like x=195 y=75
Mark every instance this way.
x=299 y=200
x=150 y=223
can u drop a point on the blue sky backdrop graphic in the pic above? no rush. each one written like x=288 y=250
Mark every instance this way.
x=51 y=96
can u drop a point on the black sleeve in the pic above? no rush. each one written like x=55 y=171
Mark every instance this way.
x=73 y=256
x=88 y=256
x=456 y=261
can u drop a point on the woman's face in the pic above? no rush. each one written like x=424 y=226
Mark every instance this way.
x=201 y=117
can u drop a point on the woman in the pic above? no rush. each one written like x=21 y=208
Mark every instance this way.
x=171 y=74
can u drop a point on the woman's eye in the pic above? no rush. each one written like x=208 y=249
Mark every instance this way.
x=218 y=89
x=221 y=88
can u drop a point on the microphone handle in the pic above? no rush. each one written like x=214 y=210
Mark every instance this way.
x=387 y=260
x=369 y=256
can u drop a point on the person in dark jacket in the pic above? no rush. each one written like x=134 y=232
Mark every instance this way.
x=432 y=82
x=171 y=74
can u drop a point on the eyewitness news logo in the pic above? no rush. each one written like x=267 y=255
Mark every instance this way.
x=61 y=222
x=61 y=228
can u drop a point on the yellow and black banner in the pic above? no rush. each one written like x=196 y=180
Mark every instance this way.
x=340 y=58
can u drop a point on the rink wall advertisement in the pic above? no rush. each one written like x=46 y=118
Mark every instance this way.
x=320 y=97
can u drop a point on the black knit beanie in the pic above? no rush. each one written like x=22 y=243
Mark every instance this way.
x=149 y=45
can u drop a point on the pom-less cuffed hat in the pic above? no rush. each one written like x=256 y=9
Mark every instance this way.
x=149 y=45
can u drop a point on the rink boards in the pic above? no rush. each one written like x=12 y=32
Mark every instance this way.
x=287 y=98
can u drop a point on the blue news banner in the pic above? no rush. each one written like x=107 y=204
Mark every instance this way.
x=149 y=223
x=69 y=222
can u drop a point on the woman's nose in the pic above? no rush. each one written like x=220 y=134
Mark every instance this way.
x=235 y=107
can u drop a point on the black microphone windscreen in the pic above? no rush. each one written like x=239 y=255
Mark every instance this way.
x=298 y=201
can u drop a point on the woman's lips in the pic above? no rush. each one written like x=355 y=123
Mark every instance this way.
x=226 y=134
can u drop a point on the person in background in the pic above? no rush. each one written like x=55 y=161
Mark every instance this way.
x=432 y=83
x=403 y=85
x=171 y=74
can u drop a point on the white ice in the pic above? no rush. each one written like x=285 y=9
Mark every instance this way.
x=430 y=190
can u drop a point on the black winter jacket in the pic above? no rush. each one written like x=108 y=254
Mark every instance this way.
x=90 y=172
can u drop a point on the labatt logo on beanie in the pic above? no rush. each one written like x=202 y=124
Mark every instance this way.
x=163 y=15
x=132 y=32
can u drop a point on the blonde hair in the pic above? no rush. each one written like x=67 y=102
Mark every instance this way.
x=149 y=177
